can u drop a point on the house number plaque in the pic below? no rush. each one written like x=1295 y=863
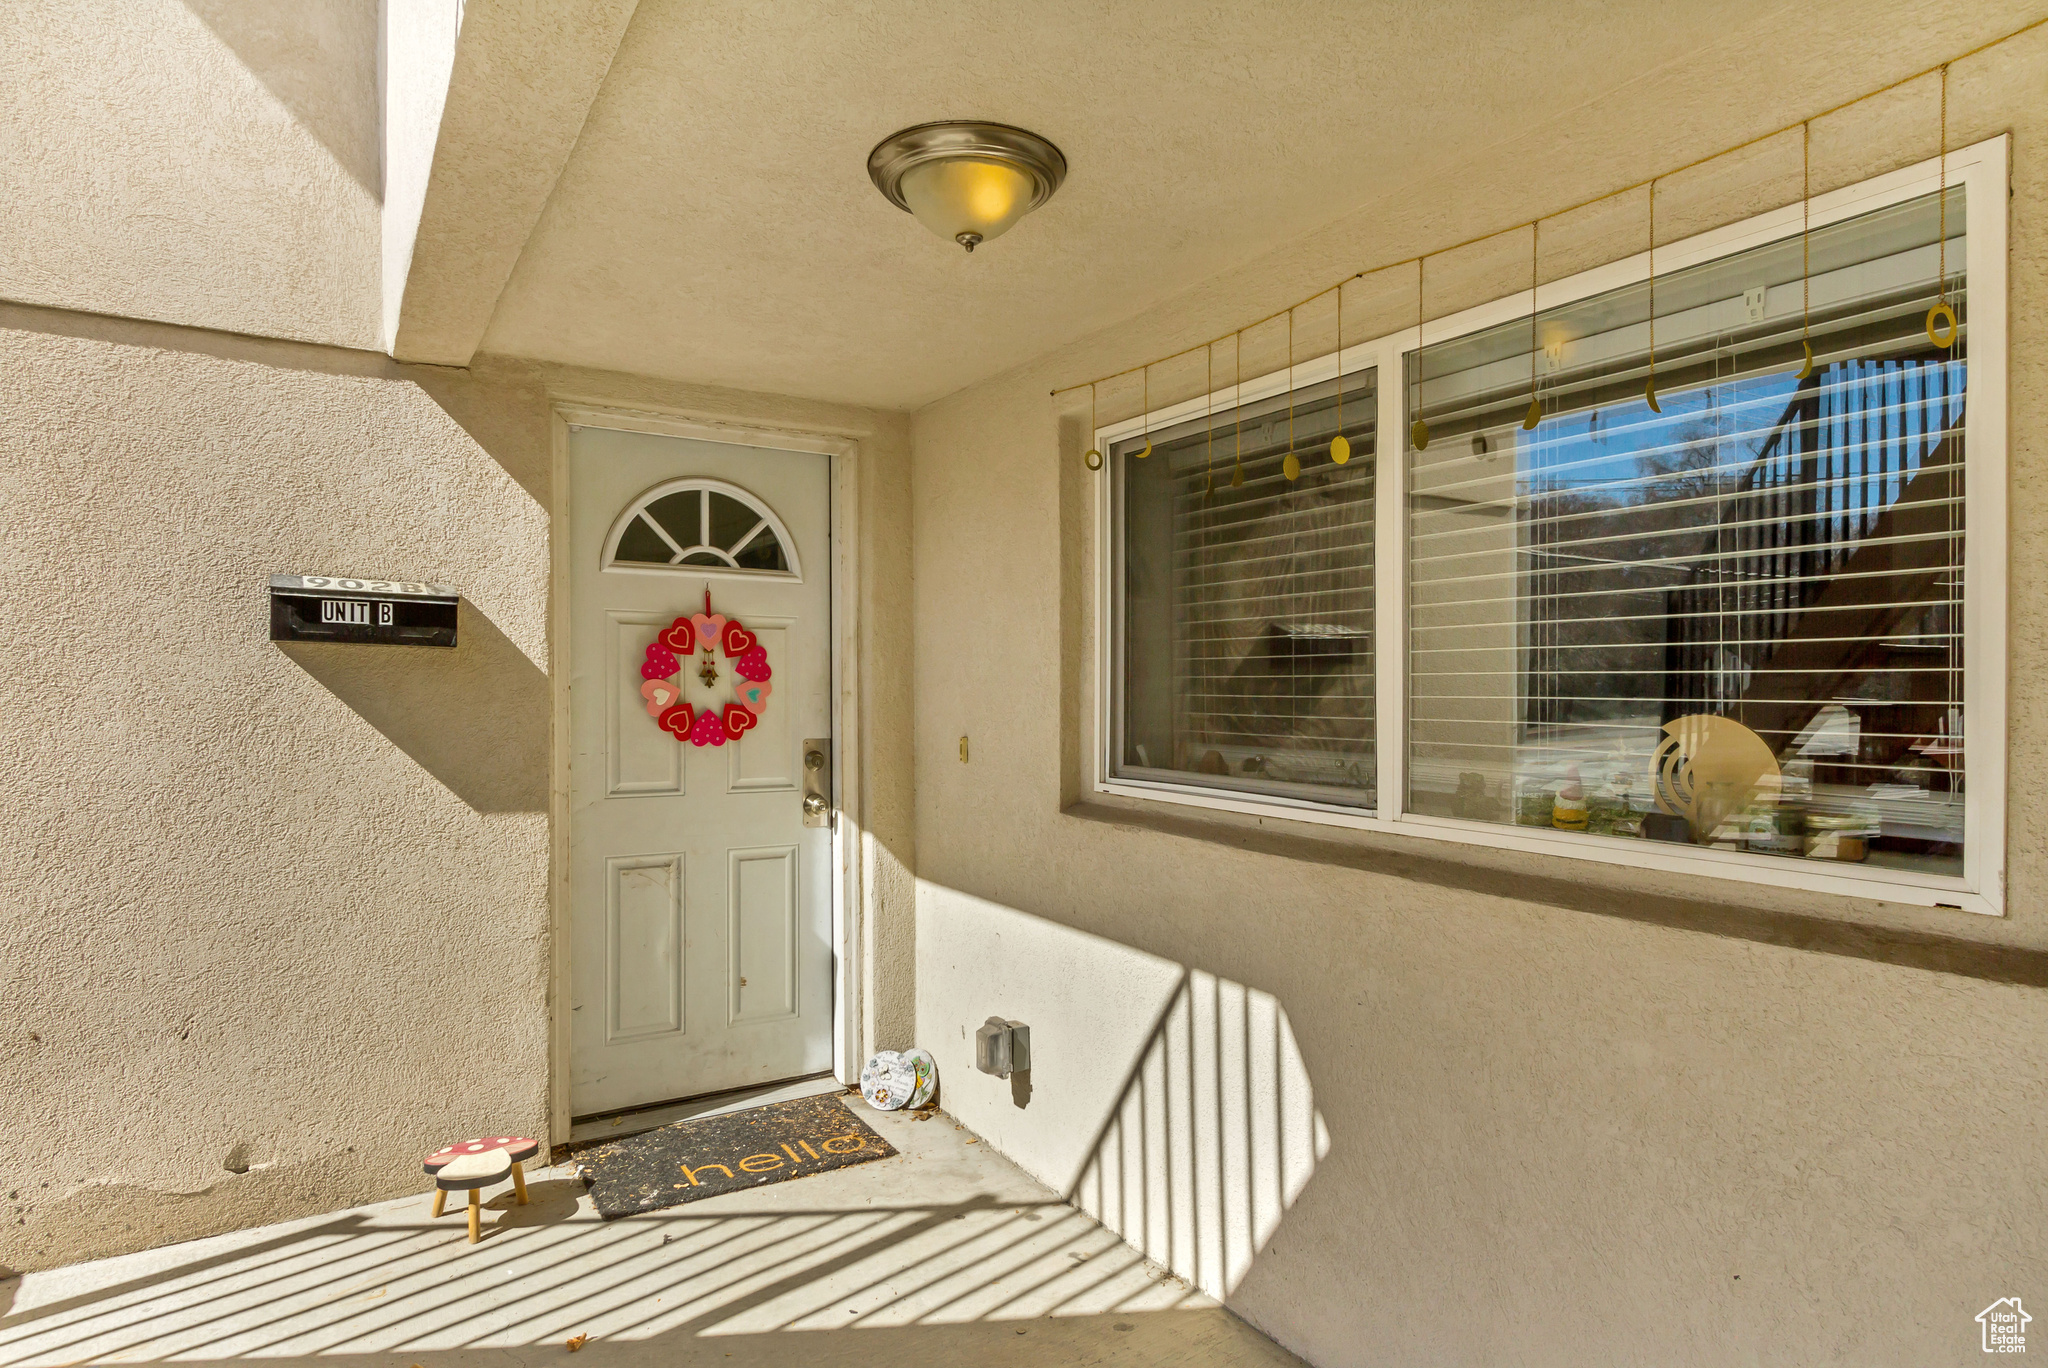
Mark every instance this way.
x=380 y=612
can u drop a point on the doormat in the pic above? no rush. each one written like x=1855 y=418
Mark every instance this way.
x=692 y=1160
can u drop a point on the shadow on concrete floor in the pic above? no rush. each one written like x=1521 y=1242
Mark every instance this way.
x=844 y=1268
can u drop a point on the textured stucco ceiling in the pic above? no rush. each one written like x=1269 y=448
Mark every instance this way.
x=716 y=224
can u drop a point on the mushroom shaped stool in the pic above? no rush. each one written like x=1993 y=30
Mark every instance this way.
x=472 y=1172
x=474 y=1164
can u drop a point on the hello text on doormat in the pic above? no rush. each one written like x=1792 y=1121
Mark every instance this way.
x=731 y=1153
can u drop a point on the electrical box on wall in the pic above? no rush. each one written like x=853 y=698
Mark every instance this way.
x=1002 y=1047
x=379 y=612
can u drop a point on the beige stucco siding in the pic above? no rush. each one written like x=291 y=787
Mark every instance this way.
x=207 y=162
x=1562 y=1127
x=286 y=909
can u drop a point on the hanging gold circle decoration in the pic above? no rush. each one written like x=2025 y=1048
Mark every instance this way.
x=1936 y=316
x=1237 y=405
x=1418 y=435
x=1804 y=127
x=1209 y=431
x=1141 y=455
x=1340 y=449
x=1535 y=413
x=1941 y=310
x=1092 y=457
x=1805 y=248
x=1291 y=467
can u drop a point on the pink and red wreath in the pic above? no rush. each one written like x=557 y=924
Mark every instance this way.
x=683 y=640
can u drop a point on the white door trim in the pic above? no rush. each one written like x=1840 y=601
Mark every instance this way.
x=844 y=451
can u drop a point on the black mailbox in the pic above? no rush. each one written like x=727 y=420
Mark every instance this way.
x=334 y=608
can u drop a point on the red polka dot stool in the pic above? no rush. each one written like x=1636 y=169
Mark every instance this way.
x=475 y=1164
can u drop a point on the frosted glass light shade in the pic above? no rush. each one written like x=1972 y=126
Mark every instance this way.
x=967 y=200
x=966 y=181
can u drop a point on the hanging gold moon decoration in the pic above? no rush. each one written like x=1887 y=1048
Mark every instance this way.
x=1533 y=416
x=1237 y=477
x=1418 y=436
x=1650 y=395
x=1935 y=315
x=1340 y=449
x=1806 y=366
x=1147 y=451
x=1291 y=467
x=1092 y=459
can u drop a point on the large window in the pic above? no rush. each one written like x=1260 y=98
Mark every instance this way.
x=1753 y=627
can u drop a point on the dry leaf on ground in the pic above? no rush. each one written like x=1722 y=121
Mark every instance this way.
x=576 y=1342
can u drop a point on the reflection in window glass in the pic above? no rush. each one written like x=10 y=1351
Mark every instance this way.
x=730 y=520
x=681 y=515
x=640 y=544
x=1246 y=619
x=762 y=552
x=1735 y=623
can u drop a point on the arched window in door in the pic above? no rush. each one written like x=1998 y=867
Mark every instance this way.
x=701 y=527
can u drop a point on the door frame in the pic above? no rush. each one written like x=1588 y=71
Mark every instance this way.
x=843 y=448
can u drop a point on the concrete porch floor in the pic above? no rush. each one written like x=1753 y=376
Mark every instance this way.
x=946 y=1254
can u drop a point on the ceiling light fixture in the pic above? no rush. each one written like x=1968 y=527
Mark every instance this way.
x=966 y=181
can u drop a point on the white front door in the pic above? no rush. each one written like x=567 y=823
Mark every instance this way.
x=700 y=954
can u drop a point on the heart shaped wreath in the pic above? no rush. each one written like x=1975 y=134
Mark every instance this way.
x=682 y=640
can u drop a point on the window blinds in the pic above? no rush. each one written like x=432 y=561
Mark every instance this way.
x=1247 y=616
x=1781 y=551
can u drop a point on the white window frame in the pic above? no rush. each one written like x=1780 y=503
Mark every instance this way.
x=1983 y=171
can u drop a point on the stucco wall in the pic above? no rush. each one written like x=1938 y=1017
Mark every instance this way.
x=1574 y=1114
x=206 y=162
x=286 y=910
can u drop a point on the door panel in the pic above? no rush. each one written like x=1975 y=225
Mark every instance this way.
x=766 y=757
x=641 y=759
x=764 y=933
x=644 y=926
x=699 y=904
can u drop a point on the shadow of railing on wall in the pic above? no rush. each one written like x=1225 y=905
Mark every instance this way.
x=1213 y=1137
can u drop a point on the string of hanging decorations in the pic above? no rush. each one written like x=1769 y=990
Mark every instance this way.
x=1941 y=318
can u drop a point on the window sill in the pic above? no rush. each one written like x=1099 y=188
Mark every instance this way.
x=1865 y=926
x=1883 y=885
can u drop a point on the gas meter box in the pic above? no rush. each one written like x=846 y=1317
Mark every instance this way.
x=379 y=612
